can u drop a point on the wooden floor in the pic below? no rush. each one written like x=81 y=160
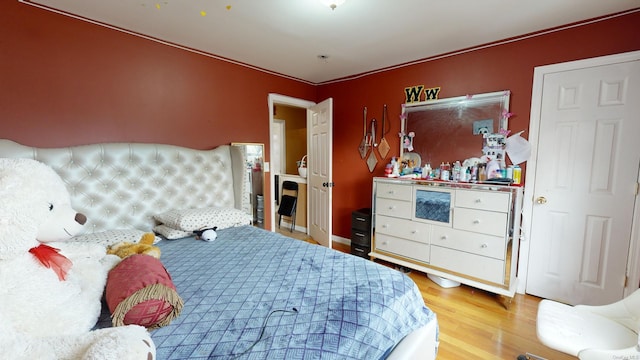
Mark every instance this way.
x=473 y=323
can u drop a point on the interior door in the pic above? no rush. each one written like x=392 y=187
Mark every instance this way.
x=319 y=174
x=585 y=183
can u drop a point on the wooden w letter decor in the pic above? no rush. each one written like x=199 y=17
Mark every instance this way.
x=414 y=93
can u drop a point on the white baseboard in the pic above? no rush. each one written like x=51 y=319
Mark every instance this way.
x=287 y=225
x=341 y=240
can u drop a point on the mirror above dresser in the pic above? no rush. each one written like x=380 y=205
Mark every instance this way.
x=446 y=130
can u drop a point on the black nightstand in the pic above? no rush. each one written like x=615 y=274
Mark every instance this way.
x=361 y=233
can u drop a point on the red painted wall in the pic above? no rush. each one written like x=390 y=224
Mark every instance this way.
x=509 y=66
x=67 y=82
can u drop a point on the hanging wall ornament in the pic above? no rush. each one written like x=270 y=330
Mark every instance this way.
x=373 y=132
x=372 y=160
x=384 y=147
x=364 y=144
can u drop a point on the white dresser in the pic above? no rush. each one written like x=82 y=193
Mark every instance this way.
x=458 y=231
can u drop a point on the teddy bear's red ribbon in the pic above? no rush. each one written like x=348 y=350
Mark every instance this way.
x=52 y=259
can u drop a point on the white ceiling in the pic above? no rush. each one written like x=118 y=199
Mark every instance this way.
x=287 y=36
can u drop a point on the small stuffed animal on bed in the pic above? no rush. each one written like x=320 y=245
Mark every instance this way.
x=209 y=234
x=144 y=246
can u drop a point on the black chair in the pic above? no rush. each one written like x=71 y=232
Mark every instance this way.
x=288 y=202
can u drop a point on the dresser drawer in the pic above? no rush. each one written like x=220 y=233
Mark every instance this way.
x=360 y=237
x=477 y=266
x=480 y=221
x=361 y=220
x=391 y=207
x=394 y=191
x=483 y=200
x=403 y=228
x=406 y=248
x=479 y=244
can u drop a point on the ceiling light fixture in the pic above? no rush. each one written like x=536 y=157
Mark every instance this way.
x=333 y=4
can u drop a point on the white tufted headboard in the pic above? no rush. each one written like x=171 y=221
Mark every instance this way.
x=122 y=185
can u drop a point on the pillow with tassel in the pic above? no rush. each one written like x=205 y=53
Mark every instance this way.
x=140 y=291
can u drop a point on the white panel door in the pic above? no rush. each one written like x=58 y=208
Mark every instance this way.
x=585 y=184
x=319 y=174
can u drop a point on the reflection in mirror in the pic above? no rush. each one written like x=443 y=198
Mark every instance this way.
x=253 y=183
x=446 y=130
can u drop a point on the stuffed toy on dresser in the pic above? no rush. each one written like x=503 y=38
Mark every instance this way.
x=50 y=290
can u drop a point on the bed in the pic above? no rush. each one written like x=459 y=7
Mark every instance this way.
x=251 y=293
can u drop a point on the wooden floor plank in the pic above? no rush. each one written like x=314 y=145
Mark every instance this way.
x=473 y=323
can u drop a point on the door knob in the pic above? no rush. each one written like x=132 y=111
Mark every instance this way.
x=541 y=200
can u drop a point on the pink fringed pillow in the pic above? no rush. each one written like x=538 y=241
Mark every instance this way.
x=140 y=291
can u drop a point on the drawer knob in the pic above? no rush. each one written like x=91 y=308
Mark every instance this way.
x=359 y=234
x=385 y=243
x=484 y=246
x=385 y=226
x=443 y=237
x=478 y=201
x=476 y=221
x=391 y=207
x=414 y=231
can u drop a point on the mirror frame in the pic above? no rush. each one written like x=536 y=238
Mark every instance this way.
x=460 y=103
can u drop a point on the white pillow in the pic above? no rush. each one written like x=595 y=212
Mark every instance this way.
x=171 y=233
x=110 y=237
x=196 y=219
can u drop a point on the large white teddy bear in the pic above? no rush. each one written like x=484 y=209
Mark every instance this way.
x=50 y=299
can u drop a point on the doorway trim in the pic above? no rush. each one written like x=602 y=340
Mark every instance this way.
x=277 y=99
x=633 y=265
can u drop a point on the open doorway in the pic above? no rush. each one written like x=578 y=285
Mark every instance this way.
x=288 y=144
x=317 y=177
x=318 y=174
x=288 y=150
